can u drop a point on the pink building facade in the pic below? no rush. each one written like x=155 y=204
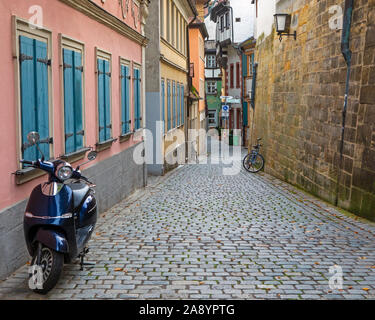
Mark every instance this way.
x=72 y=70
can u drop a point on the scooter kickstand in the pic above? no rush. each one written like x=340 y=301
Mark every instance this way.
x=82 y=256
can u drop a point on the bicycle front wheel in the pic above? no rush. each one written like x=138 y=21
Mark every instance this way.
x=253 y=164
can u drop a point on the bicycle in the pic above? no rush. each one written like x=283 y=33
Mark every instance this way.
x=254 y=161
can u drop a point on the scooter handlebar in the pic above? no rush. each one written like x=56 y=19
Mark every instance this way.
x=32 y=163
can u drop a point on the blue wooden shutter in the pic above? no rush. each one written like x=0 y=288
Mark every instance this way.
x=137 y=98
x=244 y=113
x=73 y=117
x=169 y=106
x=34 y=95
x=108 y=123
x=182 y=105
x=174 y=104
x=178 y=105
x=104 y=100
x=163 y=103
x=125 y=102
x=244 y=65
x=101 y=100
x=78 y=92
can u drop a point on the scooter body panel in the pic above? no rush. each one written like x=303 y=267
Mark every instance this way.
x=52 y=239
x=46 y=212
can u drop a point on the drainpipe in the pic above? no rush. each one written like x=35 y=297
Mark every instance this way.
x=345 y=50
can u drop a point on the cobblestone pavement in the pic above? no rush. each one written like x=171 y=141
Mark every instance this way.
x=197 y=233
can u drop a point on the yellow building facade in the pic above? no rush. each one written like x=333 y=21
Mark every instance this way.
x=168 y=61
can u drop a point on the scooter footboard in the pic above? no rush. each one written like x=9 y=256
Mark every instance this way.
x=52 y=239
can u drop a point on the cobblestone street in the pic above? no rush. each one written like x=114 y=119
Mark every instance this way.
x=196 y=233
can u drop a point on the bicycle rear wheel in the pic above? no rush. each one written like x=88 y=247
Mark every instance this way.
x=253 y=165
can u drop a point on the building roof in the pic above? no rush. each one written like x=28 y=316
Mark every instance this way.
x=219 y=9
x=197 y=23
x=193 y=7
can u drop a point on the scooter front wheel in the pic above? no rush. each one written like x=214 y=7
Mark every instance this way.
x=44 y=276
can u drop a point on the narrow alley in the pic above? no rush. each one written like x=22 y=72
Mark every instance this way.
x=199 y=234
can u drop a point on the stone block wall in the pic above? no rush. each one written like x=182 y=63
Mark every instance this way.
x=299 y=103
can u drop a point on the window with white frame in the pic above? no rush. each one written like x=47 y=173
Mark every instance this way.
x=210 y=61
x=211 y=87
x=212 y=118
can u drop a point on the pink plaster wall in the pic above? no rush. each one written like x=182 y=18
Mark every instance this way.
x=59 y=18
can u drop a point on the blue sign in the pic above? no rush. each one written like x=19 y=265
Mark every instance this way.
x=225 y=107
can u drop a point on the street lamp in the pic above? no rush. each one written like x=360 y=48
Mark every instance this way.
x=282 y=23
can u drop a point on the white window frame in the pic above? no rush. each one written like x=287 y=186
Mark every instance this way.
x=210 y=85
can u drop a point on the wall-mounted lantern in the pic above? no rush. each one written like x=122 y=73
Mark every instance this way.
x=282 y=23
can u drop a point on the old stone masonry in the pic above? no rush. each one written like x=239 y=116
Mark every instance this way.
x=196 y=233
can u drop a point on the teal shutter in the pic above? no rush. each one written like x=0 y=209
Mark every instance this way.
x=73 y=100
x=182 y=105
x=104 y=100
x=244 y=113
x=107 y=100
x=101 y=100
x=169 y=106
x=244 y=65
x=174 y=104
x=137 y=99
x=34 y=95
x=178 y=105
x=163 y=102
x=125 y=100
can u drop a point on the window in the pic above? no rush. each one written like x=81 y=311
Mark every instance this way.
x=162 y=13
x=231 y=75
x=238 y=85
x=178 y=105
x=211 y=87
x=212 y=118
x=182 y=105
x=178 y=32
x=251 y=64
x=227 y=21
x=34 y=53
x=221 y=28
x=173 y=29
x=238 y=19
x=174 y=112
x=125 y=97
x=104 y=95
x=168 y=20
x=72 y=54
x=137 y=98
x=182 y=32
x=210 y=61
x=169 y=113
x=163 y=103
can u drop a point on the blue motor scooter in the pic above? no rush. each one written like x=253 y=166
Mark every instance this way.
x=59 y=219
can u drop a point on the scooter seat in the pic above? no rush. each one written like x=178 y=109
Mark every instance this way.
x=80 y=191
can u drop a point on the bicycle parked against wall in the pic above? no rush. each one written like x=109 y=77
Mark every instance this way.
x=254 y=161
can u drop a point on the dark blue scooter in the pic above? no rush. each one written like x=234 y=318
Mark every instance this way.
x=59 y=219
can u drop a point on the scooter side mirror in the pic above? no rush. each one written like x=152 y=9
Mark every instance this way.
x=92 y=155
x=33 y=137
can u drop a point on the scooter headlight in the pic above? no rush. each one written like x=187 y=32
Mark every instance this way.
x=64 y=171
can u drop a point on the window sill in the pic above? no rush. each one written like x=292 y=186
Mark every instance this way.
x=28 y=174
x=101 y=146
x=75 y=156
x=125 y=137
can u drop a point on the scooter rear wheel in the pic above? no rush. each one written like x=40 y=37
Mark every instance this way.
x=51 y=265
